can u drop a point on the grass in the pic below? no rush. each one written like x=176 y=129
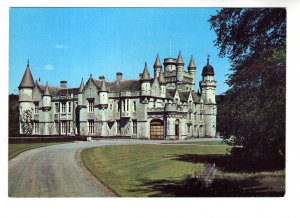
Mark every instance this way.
x=16 y=149
x=166 y=169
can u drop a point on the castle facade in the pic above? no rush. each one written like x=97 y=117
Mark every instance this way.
x=164 y=106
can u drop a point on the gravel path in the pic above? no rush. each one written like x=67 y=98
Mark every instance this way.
x=56 y=171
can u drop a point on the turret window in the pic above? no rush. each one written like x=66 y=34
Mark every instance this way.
x=91 y=106
x=127 y=105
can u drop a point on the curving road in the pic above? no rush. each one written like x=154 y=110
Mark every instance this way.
x=57 y=171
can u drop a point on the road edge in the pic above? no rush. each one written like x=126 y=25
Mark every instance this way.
x=107 y=192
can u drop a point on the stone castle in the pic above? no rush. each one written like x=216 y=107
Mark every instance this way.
x=164 y=106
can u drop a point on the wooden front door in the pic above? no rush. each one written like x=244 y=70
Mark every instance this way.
x=157 y=129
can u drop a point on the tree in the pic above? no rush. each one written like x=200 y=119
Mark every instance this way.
x=26 y=122
x=252 y=111
x=13 y=115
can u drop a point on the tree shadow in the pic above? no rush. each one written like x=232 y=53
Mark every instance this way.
x=249 y=187
x=229 y=163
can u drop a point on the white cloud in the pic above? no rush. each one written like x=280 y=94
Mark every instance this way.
x=61 y=46
x=48 y=67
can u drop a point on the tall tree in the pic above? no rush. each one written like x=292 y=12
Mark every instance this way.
x=252 y=111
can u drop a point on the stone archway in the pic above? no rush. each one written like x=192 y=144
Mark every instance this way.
x=156 y=129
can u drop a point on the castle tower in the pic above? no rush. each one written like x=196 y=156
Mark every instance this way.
x=103 y=95
x=208 y=92
x=25 y=93
x=192 y=70
x=145 y=82
x=45 y=119
x=157 y=67
x=162 y=82
x=179 y=68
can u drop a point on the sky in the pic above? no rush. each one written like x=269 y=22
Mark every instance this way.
x=72 y=43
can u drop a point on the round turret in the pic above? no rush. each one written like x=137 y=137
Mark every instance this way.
x=208 y=70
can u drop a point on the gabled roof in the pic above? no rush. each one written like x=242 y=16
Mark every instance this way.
x=123 y=85
x=27 y=80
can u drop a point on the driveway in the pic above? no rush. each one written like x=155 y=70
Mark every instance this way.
x=57 y=171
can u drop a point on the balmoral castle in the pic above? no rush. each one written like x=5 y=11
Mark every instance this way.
x=165 y=106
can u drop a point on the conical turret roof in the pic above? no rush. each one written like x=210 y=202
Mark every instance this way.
x=103 y=86
x=145 y=75
x=157 y=63
x=161 y=78
x=192 y=65
x=81 y=86
x=47 y=92
x=179 y=60
x=27 y=80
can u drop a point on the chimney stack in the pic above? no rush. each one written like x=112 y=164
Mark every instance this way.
x=119 y=76
x=63 y=84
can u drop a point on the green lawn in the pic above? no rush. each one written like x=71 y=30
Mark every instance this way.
x=165 y=170
x=15 y=149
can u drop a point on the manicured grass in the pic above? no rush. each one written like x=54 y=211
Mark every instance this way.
x=215 y=142
x=165 y=170
x=16 y=149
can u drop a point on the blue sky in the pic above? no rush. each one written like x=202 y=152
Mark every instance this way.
x=72 y=43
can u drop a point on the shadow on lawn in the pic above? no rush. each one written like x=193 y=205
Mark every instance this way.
x=250 y=187
x=228 y=163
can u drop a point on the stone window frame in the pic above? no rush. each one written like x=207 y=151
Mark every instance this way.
x=91 y=126
x=91 y=105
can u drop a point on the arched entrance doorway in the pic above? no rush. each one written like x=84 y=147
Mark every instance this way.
x=177 y=129
x=157 y=129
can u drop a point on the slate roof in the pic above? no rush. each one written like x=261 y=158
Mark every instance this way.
x=170 y=93
x=55 y=91
x=184 y=96
x=157 y=62
x=27 y=80
x=192 y=65
x=179 y=60
x=146 y=74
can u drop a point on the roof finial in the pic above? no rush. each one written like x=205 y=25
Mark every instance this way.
x=28 y=62
x=208 y=56
x=145 y=63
